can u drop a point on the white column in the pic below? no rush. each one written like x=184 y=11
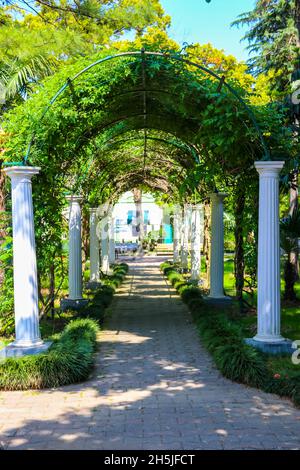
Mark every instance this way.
x=75 y=260
x=94 y=247
x=196 y=242
x=104 y=242
x=217 y=246
x=111 y=235
x=268 y=292
x=177 y=225
x=185 y=237
x=28 y=339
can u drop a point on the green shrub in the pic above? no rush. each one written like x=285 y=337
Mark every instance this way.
x=224 y=340
x=164 y=265
x=69 y=360
x=190 y=293
x=239 y=362
x=195 y=304
x=175 y=278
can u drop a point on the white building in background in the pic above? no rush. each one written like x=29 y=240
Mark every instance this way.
x=124 y=214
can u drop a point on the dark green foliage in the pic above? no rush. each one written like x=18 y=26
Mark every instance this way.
x=69 y=360
x=175 y=277
x=168 y=270
x=195 y=304
x=191 y=293
x=285 y=379
x=236 y=360
x=273 y=38
x=7 y=321
x=104 y=295
x=289 y=235
x=239 y=362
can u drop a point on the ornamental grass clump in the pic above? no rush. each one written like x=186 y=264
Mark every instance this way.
x=70 y=359
x=175 y=278
x=224 y=339
x=241 y=363
x=191 y=293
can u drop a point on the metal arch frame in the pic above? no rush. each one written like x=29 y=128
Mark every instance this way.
x=117 y=178
x=106 y=169
x=186 y=148
x=167 y=56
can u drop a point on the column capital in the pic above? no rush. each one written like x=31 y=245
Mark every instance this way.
x=26 y=172
x=93 y=210
x=217 y=195
x=269 y=168
x=197 y=206
x=73 y=198
x=102 y=209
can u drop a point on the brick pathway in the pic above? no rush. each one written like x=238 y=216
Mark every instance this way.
x=154 y=387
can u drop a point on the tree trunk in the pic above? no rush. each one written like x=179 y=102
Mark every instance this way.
x=290 y=278
x=239 y=262
x=52 y=289
x=294 y=257
x=206 y=239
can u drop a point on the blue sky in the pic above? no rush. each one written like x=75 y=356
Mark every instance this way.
x=198 y=21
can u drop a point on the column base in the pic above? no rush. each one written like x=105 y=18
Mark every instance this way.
x=277 y=347
x=15 y=350
x=198 y=281
x=93 y=285
x=218 y=301
x=219 y=297
x=73 y=304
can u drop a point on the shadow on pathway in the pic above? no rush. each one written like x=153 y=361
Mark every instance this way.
x=154 y=387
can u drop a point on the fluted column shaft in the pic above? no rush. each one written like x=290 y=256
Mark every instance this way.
x=185 y=237
x=217 y=246
x=94 y=247
x=196 y=242
x=75 y=261
x=104 y=242
x=111 y=236
x=24 y=258
x=177 y=224
x=268 y=291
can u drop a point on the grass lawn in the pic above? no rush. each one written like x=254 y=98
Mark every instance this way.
x=290 y=314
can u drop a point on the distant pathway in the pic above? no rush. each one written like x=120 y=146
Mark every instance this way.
x=154 y=387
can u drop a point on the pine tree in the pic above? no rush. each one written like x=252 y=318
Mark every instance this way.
x=274 y=45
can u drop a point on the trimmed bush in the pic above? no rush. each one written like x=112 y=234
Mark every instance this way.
x=175 y=278
x=224 y=340
x=190 y=293
x=69 y=360
x=70 y=357
x=104 y=294
x=241 y=363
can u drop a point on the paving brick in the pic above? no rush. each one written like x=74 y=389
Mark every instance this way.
x=154 y=387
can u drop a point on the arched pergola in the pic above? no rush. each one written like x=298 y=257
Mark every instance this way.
x=141 y=118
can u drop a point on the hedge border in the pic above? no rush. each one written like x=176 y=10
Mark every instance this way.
x=235 y=359
x=70 y=358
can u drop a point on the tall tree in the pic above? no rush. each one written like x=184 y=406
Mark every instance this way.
x=274 y=44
